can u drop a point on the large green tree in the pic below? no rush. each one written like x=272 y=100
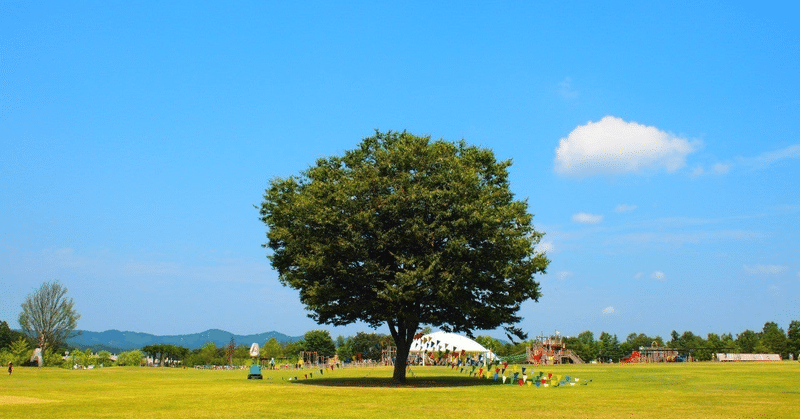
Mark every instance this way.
x=48 y=317
x=405 y=231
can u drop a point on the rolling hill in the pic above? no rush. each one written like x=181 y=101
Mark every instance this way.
x=116 y=341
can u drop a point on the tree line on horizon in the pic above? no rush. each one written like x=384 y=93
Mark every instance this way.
x=772 y=339
x=17 y=348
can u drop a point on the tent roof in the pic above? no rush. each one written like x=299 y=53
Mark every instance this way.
x=442 y=341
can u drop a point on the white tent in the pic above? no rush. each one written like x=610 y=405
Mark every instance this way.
x=443 y=341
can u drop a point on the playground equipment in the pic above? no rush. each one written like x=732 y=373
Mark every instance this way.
x=551 y=350
x=633 y=358
x=313 y=358
x=255 y=369
x=388 y=355
x=655 y=354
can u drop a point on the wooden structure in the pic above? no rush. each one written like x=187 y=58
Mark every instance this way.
x=654 y=354
x=551 y=350
x=388 y=355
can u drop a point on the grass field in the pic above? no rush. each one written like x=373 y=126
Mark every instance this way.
x=697 y=390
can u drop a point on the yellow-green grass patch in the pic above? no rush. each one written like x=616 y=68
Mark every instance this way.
x=698 y=390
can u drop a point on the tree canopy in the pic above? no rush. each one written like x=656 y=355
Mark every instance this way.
x=319 y=341
x=7 y=335
x=48 y=316
x=405 y=231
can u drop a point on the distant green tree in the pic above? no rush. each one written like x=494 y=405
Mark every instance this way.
x=134 y=358
x=20 y=351
x=344 y=350
x=572 y=343
x=761 y=348
x=7 y=335
x=720 y=344
x=635 y=342
x=271 y=349
x=77 y=357
x=209 y=354
x=609 y=348
x=774 y=339
x=367 y=345
x=153 y=351
x=674 y=341
x=489 y=343
x=174 y=354
x=6 y=356
x=104 y=358
x=588 y=350
x=241 y=355
x=504 y=349
x=793 y=339
x=292 y=350
x=52 y=358
x=319 y=341
x=747 y=341
x=727 y=343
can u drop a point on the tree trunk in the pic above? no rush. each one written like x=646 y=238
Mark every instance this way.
x=401 y=363
x=403 y=335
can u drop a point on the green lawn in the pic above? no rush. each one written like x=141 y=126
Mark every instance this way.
x=698 y=390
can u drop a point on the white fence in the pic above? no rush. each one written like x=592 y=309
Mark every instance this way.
x=748 y=357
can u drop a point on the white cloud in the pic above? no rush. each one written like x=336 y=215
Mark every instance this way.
x=564 y=275
x=681 y=238
x=586 y=218
x=625 y=208
x=545 y=247
x=791 y=152
x=613 y=146
x=565 y=89
x=764 y=269
x=639 y=275
x=716 y=169
x=720 y=169
x=608 y=310
x=659 y=276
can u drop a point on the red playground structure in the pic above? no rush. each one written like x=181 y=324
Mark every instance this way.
x=551 y=350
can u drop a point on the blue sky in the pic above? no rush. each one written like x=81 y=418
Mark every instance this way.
x=658 y=147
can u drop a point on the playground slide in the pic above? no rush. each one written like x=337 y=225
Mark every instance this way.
x=574 y=357
x=634 y=357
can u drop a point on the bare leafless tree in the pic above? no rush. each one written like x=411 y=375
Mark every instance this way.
x=48 y=316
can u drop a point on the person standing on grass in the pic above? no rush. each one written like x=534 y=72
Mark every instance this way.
x=10 y=367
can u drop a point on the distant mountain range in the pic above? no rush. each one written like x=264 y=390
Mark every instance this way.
x=116 y=341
